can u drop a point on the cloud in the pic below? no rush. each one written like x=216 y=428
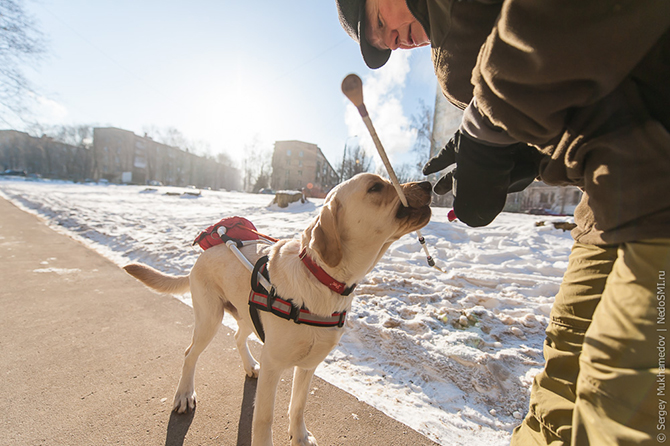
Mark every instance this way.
x=49 y=110
x=33 y=109
x=382 y=92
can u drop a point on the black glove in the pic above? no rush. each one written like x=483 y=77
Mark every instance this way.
x=485 y=175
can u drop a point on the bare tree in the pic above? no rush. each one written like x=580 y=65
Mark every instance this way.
x=257 y=166
x=74 y=135
x=172 y=136
x=78 y=162
x=354 y=161
x=408 y=172
x=168 y=135
x=20 y=43
x=422 y=122
x=262 y=181
x=224 y=158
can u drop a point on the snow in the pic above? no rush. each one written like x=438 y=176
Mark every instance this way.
x=451 y=354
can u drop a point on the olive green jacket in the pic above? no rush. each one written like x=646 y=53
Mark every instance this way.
x=587 y=82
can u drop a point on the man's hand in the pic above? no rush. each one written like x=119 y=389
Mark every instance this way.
x=482 y=175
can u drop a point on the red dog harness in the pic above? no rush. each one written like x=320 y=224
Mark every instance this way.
x=239 y=230
x=261 y=299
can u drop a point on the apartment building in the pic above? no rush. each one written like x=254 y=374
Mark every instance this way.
x=298 y=165
x=43 y=156
x=120 y=156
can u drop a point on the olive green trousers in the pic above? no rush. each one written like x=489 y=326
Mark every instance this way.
x=604 y=380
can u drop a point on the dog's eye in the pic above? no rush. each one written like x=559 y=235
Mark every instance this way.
x=377 y=187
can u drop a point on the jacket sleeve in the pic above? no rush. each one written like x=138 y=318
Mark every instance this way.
x=544 y=57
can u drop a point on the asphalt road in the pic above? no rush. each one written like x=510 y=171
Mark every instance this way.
x=91 y=357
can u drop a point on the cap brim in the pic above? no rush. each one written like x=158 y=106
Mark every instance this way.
x=374 y=57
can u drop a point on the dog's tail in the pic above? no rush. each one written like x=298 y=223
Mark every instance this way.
x=157 y=280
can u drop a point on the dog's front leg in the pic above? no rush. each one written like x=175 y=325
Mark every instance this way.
x=297 y=430
x=266 y=390
x=251 y=367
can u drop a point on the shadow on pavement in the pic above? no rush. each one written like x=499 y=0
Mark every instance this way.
x=246 y=412
x=179 y=424
x=178 y=428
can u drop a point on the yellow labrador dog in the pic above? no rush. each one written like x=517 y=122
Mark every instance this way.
x=359 y=220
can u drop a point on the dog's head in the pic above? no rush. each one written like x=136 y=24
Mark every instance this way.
x=361 y=217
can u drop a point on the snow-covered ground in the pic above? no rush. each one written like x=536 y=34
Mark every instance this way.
x=450 y=354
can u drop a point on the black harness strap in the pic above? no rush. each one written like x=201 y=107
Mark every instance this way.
x=261 y=299
x=257 y=288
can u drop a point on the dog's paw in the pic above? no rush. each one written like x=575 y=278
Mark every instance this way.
x=253 y=370
x=304 y=440
x=183 y=402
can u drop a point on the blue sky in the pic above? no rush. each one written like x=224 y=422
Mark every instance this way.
x=225 y=73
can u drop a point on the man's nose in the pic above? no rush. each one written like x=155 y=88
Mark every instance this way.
x=392 y=40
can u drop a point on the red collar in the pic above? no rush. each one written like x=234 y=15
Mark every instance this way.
x=324 y=277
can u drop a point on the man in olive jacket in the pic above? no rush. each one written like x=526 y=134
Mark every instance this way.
x=579 y=92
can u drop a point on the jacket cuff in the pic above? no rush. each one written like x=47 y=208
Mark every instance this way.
x=480 y=128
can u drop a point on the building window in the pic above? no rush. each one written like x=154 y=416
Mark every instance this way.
x=300 y=173
x=288 y=152
x=300 y=163
x=288 y=162
x=140 y=162
x=301 y=153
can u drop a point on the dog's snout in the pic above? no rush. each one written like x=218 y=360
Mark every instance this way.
x=425 y=185
x=418 y=194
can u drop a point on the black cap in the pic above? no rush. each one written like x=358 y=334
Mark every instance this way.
x=352 y=19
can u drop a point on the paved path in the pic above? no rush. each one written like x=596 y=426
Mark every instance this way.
x=91 y=357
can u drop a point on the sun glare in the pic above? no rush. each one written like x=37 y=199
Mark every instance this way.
x=234 y=116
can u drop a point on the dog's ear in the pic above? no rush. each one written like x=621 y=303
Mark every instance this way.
x=326 y=235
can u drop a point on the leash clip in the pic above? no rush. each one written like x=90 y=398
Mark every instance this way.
x=343 y=318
